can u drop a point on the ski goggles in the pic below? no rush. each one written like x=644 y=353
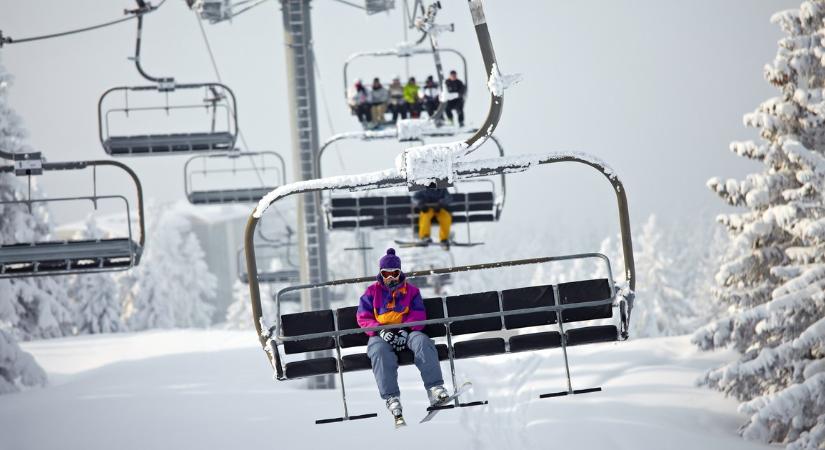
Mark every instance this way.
x=390 y=273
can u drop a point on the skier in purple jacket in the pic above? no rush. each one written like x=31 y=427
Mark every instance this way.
x=392 y=300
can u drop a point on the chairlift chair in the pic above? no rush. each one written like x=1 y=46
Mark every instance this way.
x=398 y=210
x=268 y=253
x=73 y=256
x=243 y=168
x=215 y=100
x=317 y=333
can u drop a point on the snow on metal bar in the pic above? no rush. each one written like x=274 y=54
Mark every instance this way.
x=418 y=165
x=497 y=82
x=351 y=182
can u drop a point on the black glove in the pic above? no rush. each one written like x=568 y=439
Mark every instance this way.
x=396 y=338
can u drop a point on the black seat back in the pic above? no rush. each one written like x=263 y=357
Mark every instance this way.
x=528 y=297
x=585 y=291
x=308 y=323
x=469 y=304
x=347 y=321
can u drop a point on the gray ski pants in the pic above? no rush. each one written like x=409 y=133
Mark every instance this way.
x=385 y=363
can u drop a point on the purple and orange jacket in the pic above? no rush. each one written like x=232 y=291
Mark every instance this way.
x=381 y=306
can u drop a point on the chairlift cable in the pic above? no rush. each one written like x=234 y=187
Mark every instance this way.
x=260 y=2
x=135 y=14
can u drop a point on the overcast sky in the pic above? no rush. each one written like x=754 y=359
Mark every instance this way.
x=655 y=88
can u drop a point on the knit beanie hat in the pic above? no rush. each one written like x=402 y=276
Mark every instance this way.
x=389 y=261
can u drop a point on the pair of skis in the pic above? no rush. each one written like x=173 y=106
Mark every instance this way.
x=434 y=409
x=408 y=244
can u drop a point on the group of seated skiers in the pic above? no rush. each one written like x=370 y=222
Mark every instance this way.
x=372 y=104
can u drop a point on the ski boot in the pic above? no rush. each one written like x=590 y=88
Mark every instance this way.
x=394 y=406
x=438 y=395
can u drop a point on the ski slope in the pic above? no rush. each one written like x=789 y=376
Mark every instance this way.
x=212 y=389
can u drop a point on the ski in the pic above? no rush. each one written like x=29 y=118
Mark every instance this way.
x=408 y=244
x=434 y=409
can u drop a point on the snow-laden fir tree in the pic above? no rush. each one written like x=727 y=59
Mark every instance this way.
x=660 y=308
x=172 y=285
x=97 y=298
x=40 y=306
x=773 y=277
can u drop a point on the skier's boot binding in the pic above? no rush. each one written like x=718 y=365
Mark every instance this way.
x=394 y=406
x=438 y=394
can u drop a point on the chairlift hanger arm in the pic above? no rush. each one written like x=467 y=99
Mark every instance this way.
x=166 y=82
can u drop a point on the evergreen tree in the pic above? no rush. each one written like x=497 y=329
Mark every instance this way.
x=40 y=305
x=172 y=285
x=772 y=280
x=660 y=308
x=98 y=304
x=17 y=368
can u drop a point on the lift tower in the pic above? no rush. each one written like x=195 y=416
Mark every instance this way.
x=305 y=144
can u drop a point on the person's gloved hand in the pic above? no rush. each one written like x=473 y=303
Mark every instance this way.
x=396 y=338
x=401 y=337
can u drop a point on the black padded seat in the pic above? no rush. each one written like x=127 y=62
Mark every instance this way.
x=535 y=341
x=591 y=335
x=52 y=256
x=528 y=297
x=585 y=291
x=310 y=367
x=168 y=143
x=435 y=310
x=361 y=361
x=228 y=196
x=306 y=323
x=478 y=347
x=280 y=276
x=469 y=304
x=347 y=321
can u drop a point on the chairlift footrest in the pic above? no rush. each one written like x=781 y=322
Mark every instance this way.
x=440 y=407
x=478 y=403
x=575 y=392
x=341 y=419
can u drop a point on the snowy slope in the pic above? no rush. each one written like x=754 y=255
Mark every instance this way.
x=212 y=390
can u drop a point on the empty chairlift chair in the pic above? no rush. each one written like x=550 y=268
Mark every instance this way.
x=71 y=256
x=178 y=117
x=215 y=131
x=235 y=177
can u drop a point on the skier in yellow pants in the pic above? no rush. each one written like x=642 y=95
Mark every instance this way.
x=434 y=203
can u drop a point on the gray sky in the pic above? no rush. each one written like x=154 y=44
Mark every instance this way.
x=655 y=88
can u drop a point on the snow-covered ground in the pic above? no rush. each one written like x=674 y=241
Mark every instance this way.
x=188 y=389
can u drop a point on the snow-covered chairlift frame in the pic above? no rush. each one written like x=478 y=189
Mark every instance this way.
x=621 y=297
x=49 y=258
x=411 y=221
x=170 y=143
x=236 y=195
x=407 y=174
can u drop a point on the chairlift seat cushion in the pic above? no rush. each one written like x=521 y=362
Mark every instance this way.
x=479 y=347
x=535 y=341
x=62 y=256
x=590 y=335
x=469 y=304
x=361 y=361
x=529 y=297
x=347 y=321
x=168 y=143
x=310 y=367
x=306 y=323
x=586 y=291
x=435 y=310
x=228 y=196
x=278 y=276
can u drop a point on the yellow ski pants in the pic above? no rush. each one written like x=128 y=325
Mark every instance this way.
x=425 y=218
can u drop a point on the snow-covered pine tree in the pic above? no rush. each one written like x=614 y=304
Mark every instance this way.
x=40 y=305
x=97 y=299
x=773 y=277
x=171 y=286
x=661 y=308
x=17 y=368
